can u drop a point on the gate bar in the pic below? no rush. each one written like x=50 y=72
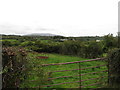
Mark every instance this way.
x=73 y=82
x=79 y=69
x=76 y=75
x=73 y=62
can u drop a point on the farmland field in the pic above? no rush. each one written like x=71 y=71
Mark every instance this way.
x=36 y=76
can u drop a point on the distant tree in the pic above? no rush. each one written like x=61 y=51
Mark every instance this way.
x=93 y=49
x=6 y=43
x=109 y=42
x=58 y=37
x=70 y=48
x=27 y=43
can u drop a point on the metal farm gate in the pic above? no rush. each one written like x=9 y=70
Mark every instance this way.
x=80 y=74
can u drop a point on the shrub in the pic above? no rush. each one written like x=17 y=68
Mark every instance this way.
x=14 y=61
x=70 y=48
x=93 y=49
x=27 y=43
x=114 y=68
x=6 y=43
x=109 y=42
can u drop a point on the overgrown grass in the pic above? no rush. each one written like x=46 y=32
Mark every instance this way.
x=55 y=58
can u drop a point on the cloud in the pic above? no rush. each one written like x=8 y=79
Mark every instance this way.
x=13 y=29
x=41 y=29
x=20 y=29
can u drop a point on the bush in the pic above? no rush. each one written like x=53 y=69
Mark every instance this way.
x=45 y=47
x=87 y=50
x=27 y=43
x=6 y=43
x=71 y=48
x=109 y=42
x=14 y=61
x=93 y=50
x=114 y=68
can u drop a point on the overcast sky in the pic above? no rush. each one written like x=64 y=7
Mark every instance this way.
x=63 y=17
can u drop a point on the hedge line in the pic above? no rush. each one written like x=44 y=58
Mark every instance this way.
x=14 y=66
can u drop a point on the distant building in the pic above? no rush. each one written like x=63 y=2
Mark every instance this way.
x=97 y=40
x=63 y=39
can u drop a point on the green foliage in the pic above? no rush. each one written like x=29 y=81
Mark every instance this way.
x=72 y=45
x=57 y=58
x=27 y=43
x=45 y=47
x=58 y=37
x=109 y=42
x=114 y=67
x=17 y=67
x=87 y=50
x=14 y=66
x=93 y=50
x=36 y=75
x=70 y=48
x=6 y=43
x=9 y=43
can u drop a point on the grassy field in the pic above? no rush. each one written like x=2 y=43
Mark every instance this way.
x=36 y=76
x=8 y=40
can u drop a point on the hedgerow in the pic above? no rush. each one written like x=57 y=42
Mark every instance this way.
x=114 y=68
x=14 y=66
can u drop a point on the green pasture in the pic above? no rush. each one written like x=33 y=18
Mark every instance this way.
x=8 y=40
x=35 y=74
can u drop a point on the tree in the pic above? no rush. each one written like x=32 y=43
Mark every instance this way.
x=109 y=42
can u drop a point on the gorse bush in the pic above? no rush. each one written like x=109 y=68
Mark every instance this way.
x=14 y=66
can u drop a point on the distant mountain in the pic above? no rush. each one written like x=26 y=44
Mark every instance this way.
x=41 y=34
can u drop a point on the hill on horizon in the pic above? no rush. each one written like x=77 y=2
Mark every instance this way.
x=41 y=34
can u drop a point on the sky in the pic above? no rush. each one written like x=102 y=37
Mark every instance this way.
x=61 y=17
